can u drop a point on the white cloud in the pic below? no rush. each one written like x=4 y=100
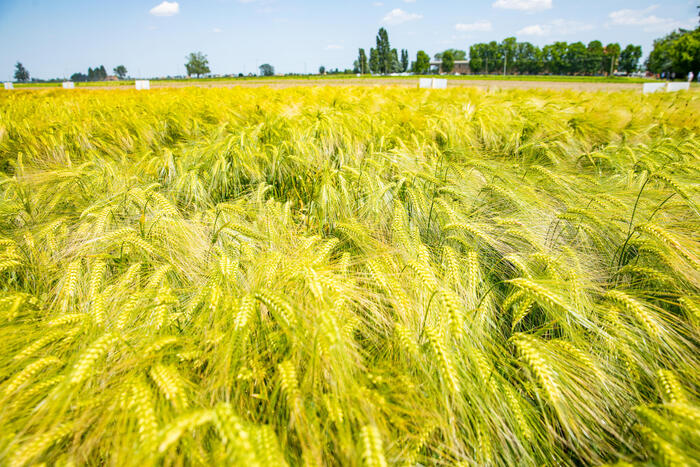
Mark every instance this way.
x=398 y=16
x=217 y=30
x=477 y=26
x=533 y=30
x=334 y=47
x=646 y=20
x=523 y=5
x=378 y=4
x=165 y=9
x=558 y=26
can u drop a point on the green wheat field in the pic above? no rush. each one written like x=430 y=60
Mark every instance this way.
x=349 y=276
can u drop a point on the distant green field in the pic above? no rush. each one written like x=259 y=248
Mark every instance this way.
x=548 y=78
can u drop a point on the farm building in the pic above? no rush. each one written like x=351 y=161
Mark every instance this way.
x=461 y=67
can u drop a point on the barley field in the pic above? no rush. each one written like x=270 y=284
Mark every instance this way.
x=349 y=276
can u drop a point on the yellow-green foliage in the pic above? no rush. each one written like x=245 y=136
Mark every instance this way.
x=349 y=276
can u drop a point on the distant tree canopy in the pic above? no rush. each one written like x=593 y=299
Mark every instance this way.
x=322 y=70
x=678 y=52
x=456 y=54
x=558 y=58
x=361 y=65
x=197 y=64
x=422 y=63
x=267 y=70
x=404 y=60
x=78 y=77
x=448 y=62
x=21 y=73
x=120 y=71
x=508 y=56
x=629 y=58
x=383 y=59
x=99 y=73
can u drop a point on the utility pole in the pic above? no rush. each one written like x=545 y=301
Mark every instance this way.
x=505 y=61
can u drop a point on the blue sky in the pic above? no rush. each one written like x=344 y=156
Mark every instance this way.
x=55 y=38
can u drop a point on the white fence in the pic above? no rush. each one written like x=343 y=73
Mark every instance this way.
x=439 y=83
x=68 y=85
x=653 y=87
x=673 y=87
x=425 y=83
x=9 y=86
x=142 y=84
x=667 y=87
x=428 y=83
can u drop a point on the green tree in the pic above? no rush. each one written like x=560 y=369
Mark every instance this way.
x=554 y=56
x=322 y=70
x=120 y=71
x=197 y=64
x=267 y=70
x=594 y=57
x=685 y=53
x=477 y=58
x=422 y=64
x=362 y=62
x=404 y=60
x=629 y=58
x=456 y=54
x=660 y=59
x=528 y=58
x=21 y=73
x=506 y=52
x=395 y=64
x=374 y=65
x=612 y=56
x=576 y=54
x=448 y=62
x=384 y=51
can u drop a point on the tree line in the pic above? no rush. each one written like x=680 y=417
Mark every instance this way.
x=509 y=56
x=99 y=73
x=559 y=58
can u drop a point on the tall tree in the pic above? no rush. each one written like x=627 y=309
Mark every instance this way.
x=685 y=53
x=362 y=62
x=477 y=58
x=506 y=51
x=422 y=64
x=660 y=59
x=266 y=69
x=612 y=55
x=374 y=65
x=197 y=64
x=21 y=73
x=448 y=62
x=404 y=60
x=528 y=58
x=575 y=57
x=555 y=57
x=629 y=58
x=322 y=70
x=383 y=51
x=395 y=65
x=594 y=57
x=120 y=71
